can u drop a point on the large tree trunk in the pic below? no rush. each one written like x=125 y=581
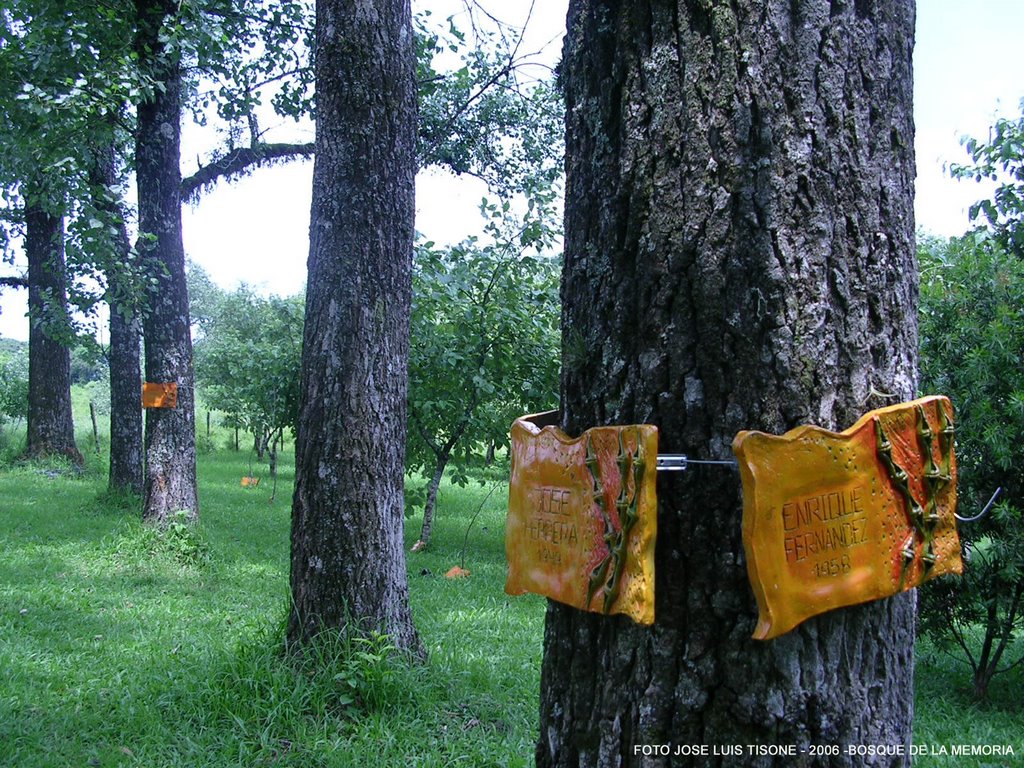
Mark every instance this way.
x=51 y=428
x=170 y=474
x=125 y=336
x=739 y=255
x=348 y=561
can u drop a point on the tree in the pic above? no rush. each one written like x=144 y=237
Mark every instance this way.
x=248 y=362
x=13 y=380
x=67 y=128
x=1000 y=160
x=972 y=308
x=348 y=561
x=126 y=301
x=39 y=71
x=485 y=346
x=51 y=427
x=170 y=474
x=738 y=255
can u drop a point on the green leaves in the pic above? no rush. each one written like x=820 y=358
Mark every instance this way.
x=483 y=111
x=249 y=354
x=13 y=380
x=485 y=334
x=972 y=310
x=1000 y=159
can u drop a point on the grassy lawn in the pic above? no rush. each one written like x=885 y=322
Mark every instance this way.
x=119 y=648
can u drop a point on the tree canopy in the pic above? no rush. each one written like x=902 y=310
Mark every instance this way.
x=972 y=348
x=248 y=357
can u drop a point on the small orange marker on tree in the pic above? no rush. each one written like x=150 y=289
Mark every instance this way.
x=159 y=395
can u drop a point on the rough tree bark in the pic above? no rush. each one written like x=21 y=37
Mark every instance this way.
x=125 y=337
x=739 y=255
x=348 y=562
x=51 y=428
x=170 y=473
x=126 y=454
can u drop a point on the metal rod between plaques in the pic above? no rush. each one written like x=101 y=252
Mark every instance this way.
x=978 y=516
x=678 y=462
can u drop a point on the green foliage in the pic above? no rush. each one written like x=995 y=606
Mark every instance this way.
x=13 y=380
x=88 y=365
x=483 y=111
x=249 y=356
x=972 y=310
x=178 y=539
x=65 y=75
x=1001 y=160
x=485 y=339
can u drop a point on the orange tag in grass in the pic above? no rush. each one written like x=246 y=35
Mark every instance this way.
x=835 y=519
x=582 y=516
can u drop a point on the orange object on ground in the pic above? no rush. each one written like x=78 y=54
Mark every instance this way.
x=159 y=395
x=455 y=572
x=250 y=482
x=835 y=519
x=582 y=516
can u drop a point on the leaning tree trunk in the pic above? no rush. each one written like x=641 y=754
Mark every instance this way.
x=348 y=561
x=739 y=255
x=125 y=334
x=440 y=463
x=51 y=427
x=170 y=473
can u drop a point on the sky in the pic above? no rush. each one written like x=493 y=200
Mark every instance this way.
x=967 y=72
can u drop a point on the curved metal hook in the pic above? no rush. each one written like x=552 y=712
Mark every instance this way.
x=983 y=512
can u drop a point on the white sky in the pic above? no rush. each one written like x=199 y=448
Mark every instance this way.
x=967 y=72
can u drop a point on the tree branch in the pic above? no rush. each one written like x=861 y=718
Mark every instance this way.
x=238 y=162
x=13 y=282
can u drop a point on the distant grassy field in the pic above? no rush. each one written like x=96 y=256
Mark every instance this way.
x=120 y=648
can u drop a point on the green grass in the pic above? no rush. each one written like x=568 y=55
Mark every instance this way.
x=946 y=713
x=122 y=648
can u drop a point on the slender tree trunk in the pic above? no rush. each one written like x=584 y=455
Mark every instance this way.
x=125 y=339
x=739 y=255
x=95 y=428
x=51 y=427
x=428 y=508
x=125 y=400
x=170 y=474
x=348 y=560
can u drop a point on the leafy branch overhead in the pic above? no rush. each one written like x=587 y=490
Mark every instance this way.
x=486 y=108
x=1001 y=160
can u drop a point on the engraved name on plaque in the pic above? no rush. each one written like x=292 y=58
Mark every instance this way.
x=835 y=519
x=582 y=516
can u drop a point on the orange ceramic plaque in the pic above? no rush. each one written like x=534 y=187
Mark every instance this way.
x=159 y=395
x=835 y=519
x=582 y=516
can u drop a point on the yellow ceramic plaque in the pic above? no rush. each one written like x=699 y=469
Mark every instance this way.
x=582 y=516
x=159 y=395
x=835 y=519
